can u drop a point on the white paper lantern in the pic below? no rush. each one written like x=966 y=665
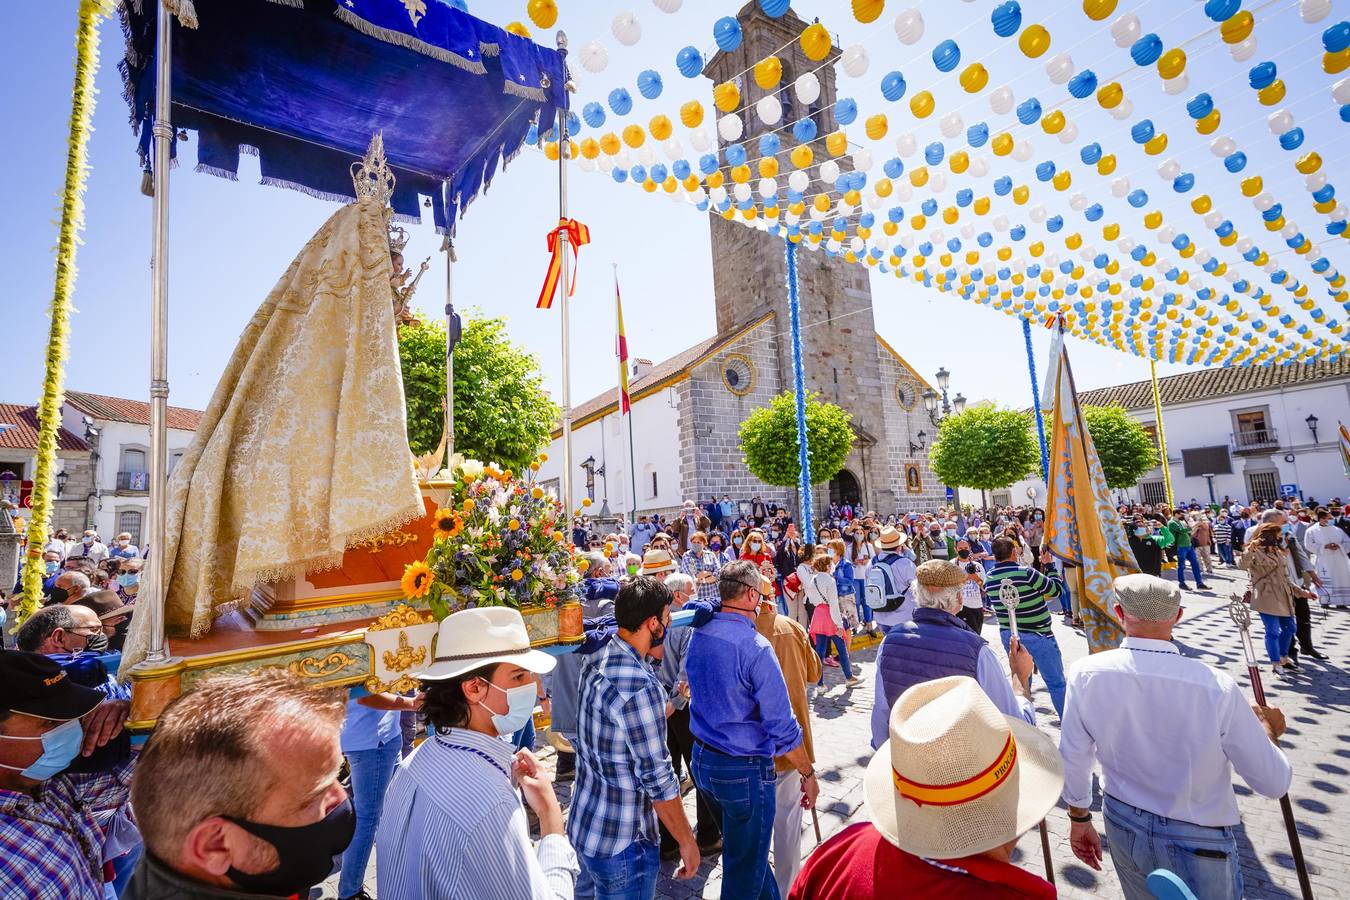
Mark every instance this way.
x=1038 y=214
x=936 y=236
x=829 y=172
x=741 y=191
x=1340 y=212
x=881 y=242
x=854 y=60
x=673 y=149
x=799 y=181
x=907 y=241
x=1271 y=267
x=1314 y=10
x=1051 y=260
x=1178 y=85
x=1202 y=256
x=1222 y=146
x=1289 y=231
x=875 y=202
x=1166 y=233
x=717 y=194
x=623 y=159
x=587 y=165
x=1243 y=245
x=979 y=167
x=937 y=181
x=1120 y=186
x=909 y=26
x=951 y=125
x=1263 y=201
x=698 y=139
x=1123 y=110
x=1126 y=245
x=1000 y=223
x=627 y=30
x=1316 y=181
x=807 y=87
x=856 y=244
x=594 y=56
x=668 y=6
x=904 y=192
x=819 y=215
x=769 y=110
x=862 y=161
x=1213 y=219
x=1022 y=151
x=1232 y=275
x=1125 y=30
x=1060 y=68
x=1078 y=202
x=1340 y=91
x=697 y=195
x=906 y=144
x=1169 y=169
x=844 y=209
x=1280 y=121
x=730 y=127
x=967 y=232
x=1001 y=100
x=647 y=155
x=833 y=246
x=1245 y=50
x=767 y=187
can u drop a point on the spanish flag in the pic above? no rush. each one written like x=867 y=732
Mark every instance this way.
x=621 y=347
x=1083 y=527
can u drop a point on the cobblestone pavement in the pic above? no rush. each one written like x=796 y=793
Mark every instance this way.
x=1315 y=702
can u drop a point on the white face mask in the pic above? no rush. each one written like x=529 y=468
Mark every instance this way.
x=519 y=708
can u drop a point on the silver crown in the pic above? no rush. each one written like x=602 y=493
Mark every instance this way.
x=398 y=239
x=372 y=177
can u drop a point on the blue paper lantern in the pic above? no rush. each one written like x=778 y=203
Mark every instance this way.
x=659 y=173
x=1275 y=211
x=638 y=173
x=619 y=175
x=1345 y=113
x=857 y=181
x=774 y=8
x=681 y=169
x=867 y=219
x=707 y=163
x=896 y=214
x=984 y=239
x=1083 y=84
x=573 y=123
x=1054 y=224
x=977 y=135
x=649 y=83
x=964 y=197
x=804 y=130
x=929 y=207
x=1323 y=194
x=1003 y=185
x=620 y=101
x=1094 y=212
x=1292 y=139
x=1321 y=264
x=1200 y=105
x=769 y=144
x=1006 y=18
x=1146 y=50
x=1138 y=253
x=954 y=245
x=1183 y=182
x=1090 y=154
x=690 y=62
x=893 y=86
x=594 y=114
x=1261 y=75
x=934 y=152
x=727 y=34
x=1142 y=131
x=1252 y=255
x=845 y=110
x=893 y=167
x=1336 y=38
x=1028 y=111
x=1137 y=197
x=736 y=155
x=1045 y=171
x=1181 y=241
x=925 y=249
x=1017 y=232
x=1222 y=10
x=946 y=55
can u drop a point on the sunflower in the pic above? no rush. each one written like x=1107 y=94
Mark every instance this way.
x=417 y=578
x=446 y=523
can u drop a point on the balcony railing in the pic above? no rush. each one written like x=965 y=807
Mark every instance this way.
x=1255 y=440
x=133 y=481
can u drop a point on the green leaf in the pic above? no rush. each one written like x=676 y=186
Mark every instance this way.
x=769 y=440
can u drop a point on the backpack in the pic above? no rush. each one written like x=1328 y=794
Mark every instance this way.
x=882 y=594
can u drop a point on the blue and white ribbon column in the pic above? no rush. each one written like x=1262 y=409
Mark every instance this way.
x=1036 y=402
x=808 y=528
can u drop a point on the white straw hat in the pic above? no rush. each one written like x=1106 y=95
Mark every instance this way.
x=472 y=638
x=891 y=537
x=957 y=777
x=655 y=561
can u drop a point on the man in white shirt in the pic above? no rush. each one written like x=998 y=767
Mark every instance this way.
x=1168 y=732
x=91 y=547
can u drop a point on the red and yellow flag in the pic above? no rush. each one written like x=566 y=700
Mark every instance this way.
x=622 y=349
x=575 y=234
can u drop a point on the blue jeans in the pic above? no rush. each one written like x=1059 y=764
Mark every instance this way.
x=371 y=773
x=1205 y=858
x=630 y=874
x=745 y=788
x=860 y=598
x=1183 y=554
x=1044 y=650
x=1279 y=635
x=1226 y=553
x=524 y=738
x=823 y=646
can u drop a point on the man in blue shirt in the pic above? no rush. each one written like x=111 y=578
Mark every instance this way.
x=741 y=720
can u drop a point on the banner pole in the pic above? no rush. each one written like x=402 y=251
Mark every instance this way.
x=1162 y=436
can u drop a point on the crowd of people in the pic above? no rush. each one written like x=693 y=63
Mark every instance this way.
x=263 y=787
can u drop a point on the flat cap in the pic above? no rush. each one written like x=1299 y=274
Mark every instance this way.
x=940 y=573
x=1148 y=597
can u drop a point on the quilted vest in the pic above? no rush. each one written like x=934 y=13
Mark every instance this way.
x=936 y=644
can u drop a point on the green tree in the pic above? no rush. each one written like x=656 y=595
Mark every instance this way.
x=502 y=413
x=984 y=447
x=1125 y=449
x=769 y=440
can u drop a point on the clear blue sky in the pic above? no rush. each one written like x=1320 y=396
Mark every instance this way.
x=230 y=241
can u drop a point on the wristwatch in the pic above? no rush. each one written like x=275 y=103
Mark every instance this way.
x=809 y=773
x=1080 y=819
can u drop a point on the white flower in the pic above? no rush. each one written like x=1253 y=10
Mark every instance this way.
x=494 y=515
x=471 y=468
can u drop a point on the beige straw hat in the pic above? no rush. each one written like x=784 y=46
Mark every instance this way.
x=891 y=538
x=654 y=561
x=472 y=638
x=957 y=777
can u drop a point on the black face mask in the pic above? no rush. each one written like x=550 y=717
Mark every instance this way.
x=963 y=553
x=57 y=595
x=97 y=643
x=306 y=853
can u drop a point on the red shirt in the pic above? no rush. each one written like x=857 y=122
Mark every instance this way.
x=859 y=864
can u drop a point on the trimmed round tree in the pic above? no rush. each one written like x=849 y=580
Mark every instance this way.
x=502 y=412
x=1125 y=449
x=984 y=447
x=769 y=440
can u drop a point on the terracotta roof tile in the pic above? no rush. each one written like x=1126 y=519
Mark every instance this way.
x=1207 y=383
x=136 y=412
x=24 y=434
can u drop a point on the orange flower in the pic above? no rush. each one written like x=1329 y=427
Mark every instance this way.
x=536 y=492
x=417 y=580
x=446 y=523
x=513 y=524
x=516 y=574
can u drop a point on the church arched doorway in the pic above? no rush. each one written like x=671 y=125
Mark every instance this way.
x=844 y=489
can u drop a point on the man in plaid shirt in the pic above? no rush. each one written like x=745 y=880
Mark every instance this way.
x=50 y=840
x=624 y=774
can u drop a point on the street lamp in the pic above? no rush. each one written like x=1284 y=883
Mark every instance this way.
x=61 y=479
x=944 y=379
x=930 y=401
x=1312 y=426
x=959 y=404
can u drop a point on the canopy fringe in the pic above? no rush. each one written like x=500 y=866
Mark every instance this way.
x=217 y=171
x=331 y=196
x=520 y=90
x=184 y=10
x=474 y=66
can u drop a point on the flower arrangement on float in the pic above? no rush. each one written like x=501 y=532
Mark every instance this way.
x=499 y=540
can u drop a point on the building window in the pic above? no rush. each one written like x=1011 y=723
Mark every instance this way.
x=1252 y=431
x=738 y=374
x=129 y=520
x=654 y=491
x=132 y=470
x=1263 y=486
x=1153 y=492
x=174 y=459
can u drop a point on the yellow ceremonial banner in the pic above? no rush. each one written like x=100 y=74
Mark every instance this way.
x=1083 y=529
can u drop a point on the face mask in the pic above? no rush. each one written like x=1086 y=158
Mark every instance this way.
x=951 y=532
x=754 y=545
x=736 y=541
x=96 y=643
x=88 y=540
x=659 y=639
x=53 y=568
x=305 y=853
x=830 y=553
x=519 y=708
x=129 y=579
x=963 y=553
x=1141 y=531
x=59 y=747
x=124 y=543
x=632 y=569
x=58 y=595
x=715 y=546
x=698 y=548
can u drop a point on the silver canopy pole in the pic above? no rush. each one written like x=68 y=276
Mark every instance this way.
x=449 y=350
x=562 y=295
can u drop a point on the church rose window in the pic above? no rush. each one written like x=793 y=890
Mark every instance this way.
x=738 y=374
x=905 y=395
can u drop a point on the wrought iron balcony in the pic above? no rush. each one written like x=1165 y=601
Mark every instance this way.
x=1255 y=440
x=133 y=482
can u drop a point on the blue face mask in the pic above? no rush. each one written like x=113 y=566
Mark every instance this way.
x=59 y=747
x=1141 y=531
x=128 y=579
x=53 y=567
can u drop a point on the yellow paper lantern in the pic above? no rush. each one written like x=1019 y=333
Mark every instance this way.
x=660 y=127
x=740 y=174
x=1325 y=206
x=1053 y=123
x=1334 y=64
x=670 y=184
x=1202 y=204
x=1002 y=144
x=542 y=12
x=1209 y=123
x=883 y=188
x=974 y=77
x=1153 y=220
x=716 y=179
x=1111 y=232
x=958 y=162
x=852 y=198
x=815 y=41
x=1251 y=186
x=950 y=215
x=634 y=136
x=1109 y=95
x=1157 y=144
x=1005 y=254
x=609 y=142
x=867 y=10
x=801 y=156
x=768 y=167
x=921 y=104
x=1172 y=63
x=1237 y=27
x=649 y=185
x=876 y=126
x=768 y=72
x=1034 y=40
x=917 y=223
x=890 y=229
x=1308 y=163
x=1096 y=10
x=727 y=97
x=1020 y=194
x=918 y=176
x=1063 y=178
x=518 y=29
x=691 y=114
x=551 y=150
x=690 y=184
x=836 y=142
x=1272 y=93
x=1107 y=164
x=590 y=148
x=822 y=203
x=1036 y=249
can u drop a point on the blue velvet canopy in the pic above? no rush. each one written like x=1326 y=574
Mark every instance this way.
x=304 y=84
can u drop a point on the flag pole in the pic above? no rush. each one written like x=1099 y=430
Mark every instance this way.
x=1162 y=437
x=623 y=391
x=566 y=483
